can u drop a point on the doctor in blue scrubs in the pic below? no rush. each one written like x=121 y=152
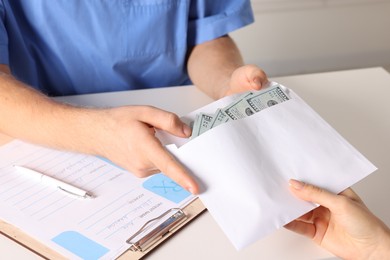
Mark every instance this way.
x=55 y=48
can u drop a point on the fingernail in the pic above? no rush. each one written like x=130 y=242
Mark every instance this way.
x=257 y=81
x=298 y=185
x=186 y=130
x=191 y=189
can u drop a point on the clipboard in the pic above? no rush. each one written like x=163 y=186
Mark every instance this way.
x=177 y=219
x=153 y=233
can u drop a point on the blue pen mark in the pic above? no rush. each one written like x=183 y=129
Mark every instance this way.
x=165 y=187
x=80 y=245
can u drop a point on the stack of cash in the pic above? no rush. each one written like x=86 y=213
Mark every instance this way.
x=246 y=105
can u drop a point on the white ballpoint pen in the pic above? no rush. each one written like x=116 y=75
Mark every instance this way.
x=66 y=187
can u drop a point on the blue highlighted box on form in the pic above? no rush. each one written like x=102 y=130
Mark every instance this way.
x=80 y=245
x=165 y=187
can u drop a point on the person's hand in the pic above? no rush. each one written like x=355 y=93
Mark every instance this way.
x=342 y=224
x=246 y=78
x=128 y=139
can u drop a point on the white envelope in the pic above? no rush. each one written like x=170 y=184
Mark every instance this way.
x=244 y=166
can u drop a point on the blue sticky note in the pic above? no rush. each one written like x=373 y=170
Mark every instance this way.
x=80 y=245
x=165 y=187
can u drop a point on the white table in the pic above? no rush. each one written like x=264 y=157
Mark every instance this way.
x=354 y=102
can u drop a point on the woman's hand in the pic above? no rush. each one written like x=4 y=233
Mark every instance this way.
x=342 y=224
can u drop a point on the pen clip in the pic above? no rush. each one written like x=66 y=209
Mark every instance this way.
x=85 y=196
x=158 y=232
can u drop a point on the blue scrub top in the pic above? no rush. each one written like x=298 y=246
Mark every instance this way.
x=88 y=46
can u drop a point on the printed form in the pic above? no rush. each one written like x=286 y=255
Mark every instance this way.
x=80 y=228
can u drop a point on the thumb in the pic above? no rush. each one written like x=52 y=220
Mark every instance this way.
x=257 y=78
x=312 y=193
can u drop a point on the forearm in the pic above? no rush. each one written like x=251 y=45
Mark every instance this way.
x=211 y=64
x=31 y=116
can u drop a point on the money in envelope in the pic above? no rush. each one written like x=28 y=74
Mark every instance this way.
x=245 y=105
x=244 y=150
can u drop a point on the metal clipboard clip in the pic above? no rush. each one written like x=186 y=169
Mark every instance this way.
x=155 y=234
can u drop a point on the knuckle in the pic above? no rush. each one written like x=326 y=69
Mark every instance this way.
x=140 y=170
x=172 y=119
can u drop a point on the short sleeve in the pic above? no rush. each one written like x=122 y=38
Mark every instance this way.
x=212 y=19
x=3 y=37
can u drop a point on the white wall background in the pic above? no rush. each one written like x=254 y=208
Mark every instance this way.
x=305 y=36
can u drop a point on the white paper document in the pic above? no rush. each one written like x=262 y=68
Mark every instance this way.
x=80 y=228
x=244 y=166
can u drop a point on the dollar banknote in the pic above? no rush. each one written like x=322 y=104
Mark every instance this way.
x=240 y=108
x=267 y=98
x=245 y=105
x=219 y=117
x=201 y=124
